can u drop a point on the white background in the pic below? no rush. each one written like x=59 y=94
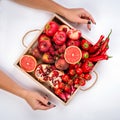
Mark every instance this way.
x=102 y=102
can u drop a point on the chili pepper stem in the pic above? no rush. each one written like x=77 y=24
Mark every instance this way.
x=110 y=56
x=109 y=34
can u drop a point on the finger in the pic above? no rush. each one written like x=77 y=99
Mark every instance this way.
x=89 y=26
x=42 y=107
x=92 y=19
x=45 y=101
x=46 y=97
x=89 y=17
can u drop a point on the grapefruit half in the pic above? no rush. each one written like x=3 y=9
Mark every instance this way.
x=28 y=63
x=72 y=54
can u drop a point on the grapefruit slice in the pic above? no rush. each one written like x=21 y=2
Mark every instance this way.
x=72 y=54
x=28 y=63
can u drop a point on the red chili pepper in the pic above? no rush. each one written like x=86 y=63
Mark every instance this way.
x=98 y=58
x=96 y=53
x=97 y=45
x=105 y=43
x=104 y=51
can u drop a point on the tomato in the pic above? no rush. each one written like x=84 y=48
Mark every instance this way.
x=70 y=82
x=51 y=28
x=61 y=85
x=78 y=65
x=79 y=71
x=81 y=75
x=76 y=81
x=67 y=88
x=82 y=82
x=71 y=72
x=87 y=76
x=65 y=78
x=59 y=38
x=57 y=91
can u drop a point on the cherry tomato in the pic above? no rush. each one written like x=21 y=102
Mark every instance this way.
x=70 y=82
x=67 y=88
x=87 y=76
x=65 y=78
x=79 y=71
x=72 y=72
x=81 y=75
x=82 y=82
x=76 y=81
x=57 y=91
x=61 y=85
x=77 y=65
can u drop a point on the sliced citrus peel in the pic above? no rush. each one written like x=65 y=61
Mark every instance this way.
x=72 y=54
x=28 y=63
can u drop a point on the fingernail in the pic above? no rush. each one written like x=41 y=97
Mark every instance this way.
x=89 y=22
x=54 y=105
x=46 y=95
x=49 y=103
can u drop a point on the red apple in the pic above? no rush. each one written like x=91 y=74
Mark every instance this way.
x=47 y=58
x=43 y=37
x=44 y=43
x=35 y=52
x=73 y=42
x=44 y=46
x=51 y=28
x=74 y=34
x=59 y=38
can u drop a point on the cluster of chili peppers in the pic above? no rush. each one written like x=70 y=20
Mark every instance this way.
x=98 y=51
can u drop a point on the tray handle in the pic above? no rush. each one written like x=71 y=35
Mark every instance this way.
x=92 y=83
x=23 y=38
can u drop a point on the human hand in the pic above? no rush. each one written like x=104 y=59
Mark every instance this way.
x=38 y=101
x=79 y=16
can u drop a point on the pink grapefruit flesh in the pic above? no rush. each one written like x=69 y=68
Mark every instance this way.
x=28 y=63
x=72 y=54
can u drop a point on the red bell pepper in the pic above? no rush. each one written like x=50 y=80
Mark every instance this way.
x=87 y=66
